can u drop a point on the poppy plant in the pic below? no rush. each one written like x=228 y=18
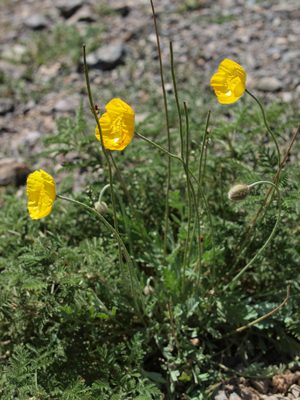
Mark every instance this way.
x=229 y=82
x=117 y=125
x=41 y=194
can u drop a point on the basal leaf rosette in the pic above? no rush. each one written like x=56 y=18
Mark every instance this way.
x=117 y=125
x=229 y=82
x=41 y=194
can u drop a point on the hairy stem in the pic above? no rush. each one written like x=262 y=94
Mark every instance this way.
x=269 y=238
x=168 y=131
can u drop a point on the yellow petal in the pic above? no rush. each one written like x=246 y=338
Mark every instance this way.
x=41 y=194
x=117 y=125
x=229 y=82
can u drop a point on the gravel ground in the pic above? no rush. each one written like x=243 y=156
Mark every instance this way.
x=262 y=36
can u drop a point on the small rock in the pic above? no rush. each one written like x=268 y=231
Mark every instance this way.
x=282 y=382
x=261 y=386
x=107 y=57
x=6 y=106
x=31 y=138
x=121 y=7
x=287 y=97
x=234 y=396
x=15 y=52
x=28 y=106
x=169 y=88
x=84 y=14
x=69 y=103
x=246 y=394
x=13 y=172
x=295 y=390
x=36 y=22
x=12 y=71
x=221 y=395
x=291 y=56
x=69 y=7
x=269 y=84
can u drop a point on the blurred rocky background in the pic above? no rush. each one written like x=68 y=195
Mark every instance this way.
x=41 y=72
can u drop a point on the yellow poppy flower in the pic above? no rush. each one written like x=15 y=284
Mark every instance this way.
x=41 y=194
x=117 y=125
x=229 y=82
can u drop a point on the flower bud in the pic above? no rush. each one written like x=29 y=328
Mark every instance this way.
x=101 y=207
x=238 y=192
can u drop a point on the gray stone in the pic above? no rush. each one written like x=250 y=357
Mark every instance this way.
x=269 y=84
x=32 y=137
x=68 y=104
x=84 y=14
x=107 y=57
x=13 y=172
x=221 y=395
x=262 y=386
x=295 y=390
x=69 y=7
x=6 y=106
x=246 y=394
x=290 y=56
x=12 y=71
x=121 y=7
x=14 y=52
x=28 y=106
x=234 y=396
x=36 y=22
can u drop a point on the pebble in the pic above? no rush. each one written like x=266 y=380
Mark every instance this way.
x=221 y=395
x=69 y=7
x=84 y=14
x=14 y=52
x=269 y=84
x=295 y=390
x=6 y=106
x=121 y=7
x=13 y=172
x=67 y=104
x=107 y=57
x=36 y=22
x=31 y=138
x=262 y=386
x=234 y=396
x=12 y=71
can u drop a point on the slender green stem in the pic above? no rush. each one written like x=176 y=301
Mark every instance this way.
x=120 y=243
x=197 y=206
x=133 y=207
x=202 y=151
x=266 y=124
x=201 y=192
x=241 y=249
x=177 y=101
x=222 y=196
x=186 y=166
x=136 y=270
x=168 y=130
x=204 y=164
x=105 y=153
x=269 y=238
x=124 y=218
